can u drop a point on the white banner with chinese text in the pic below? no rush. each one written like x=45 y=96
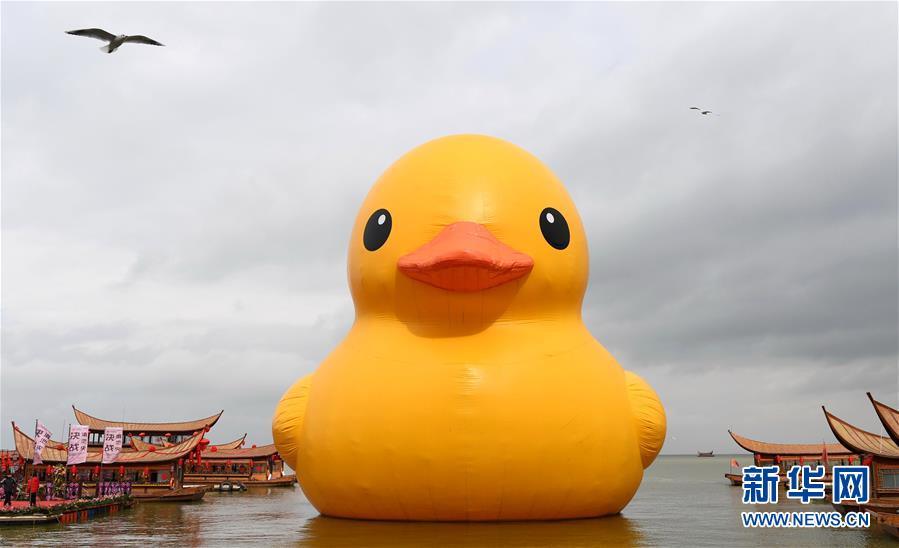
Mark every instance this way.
x=41 y=437
x=112 y=443
x=77 y=444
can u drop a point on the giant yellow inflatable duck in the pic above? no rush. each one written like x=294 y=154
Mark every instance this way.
x=468 y=388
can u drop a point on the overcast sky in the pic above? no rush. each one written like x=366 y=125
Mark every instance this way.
x=175 y=220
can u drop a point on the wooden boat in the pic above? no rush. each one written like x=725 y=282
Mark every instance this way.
x=787 y=454
x=251 y=466
x=735 y=479
x=148 y=469
x=877 y=505
x=888 y=523
x=283 y=481
x=884 y=506
x=705 y=453
x=147 y=493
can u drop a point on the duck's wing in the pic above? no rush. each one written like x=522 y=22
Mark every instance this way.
x=287 y=424
x=141 y=39
x=99 y=34
x=649 y=417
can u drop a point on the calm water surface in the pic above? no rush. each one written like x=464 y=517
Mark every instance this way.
x=683 y=501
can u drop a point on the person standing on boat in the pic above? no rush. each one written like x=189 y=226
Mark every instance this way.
x=9 y=487
x=34 y=485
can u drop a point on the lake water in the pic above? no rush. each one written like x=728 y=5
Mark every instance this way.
x=683 y=501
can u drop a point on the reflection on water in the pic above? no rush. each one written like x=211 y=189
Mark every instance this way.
x=683 y=501
x=612 y=531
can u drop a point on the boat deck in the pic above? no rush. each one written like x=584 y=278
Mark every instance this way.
x=47 y=515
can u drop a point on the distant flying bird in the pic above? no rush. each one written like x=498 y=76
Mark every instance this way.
x=703 y=112
x=114 y=41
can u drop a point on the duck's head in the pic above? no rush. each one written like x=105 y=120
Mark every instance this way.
x=465 y=230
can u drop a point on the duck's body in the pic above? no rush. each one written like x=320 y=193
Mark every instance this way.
x=468 y=388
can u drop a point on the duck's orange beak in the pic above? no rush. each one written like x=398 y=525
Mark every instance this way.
x=465 y=256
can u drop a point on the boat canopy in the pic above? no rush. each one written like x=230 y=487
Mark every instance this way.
x=141 y=445
x=860 y=440
x=50 y=453
x=888 y=416
x=788 y=449
x=151 y=428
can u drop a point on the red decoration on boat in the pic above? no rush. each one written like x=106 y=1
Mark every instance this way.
x=97 y=470
x=49 y=470
x=151 y=449
x=181 y=462
x=168 y=434
x=60 y=446
x=205 y=429
x=142 y=434
x=254 y=446
x=213 y=449
x=74 y=469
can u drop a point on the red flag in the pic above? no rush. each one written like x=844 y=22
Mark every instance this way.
x=867 y=461
x=824 y=453
x=734 y=463
x=801 y=461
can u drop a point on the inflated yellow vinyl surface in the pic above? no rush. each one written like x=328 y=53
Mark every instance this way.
x=468 y=387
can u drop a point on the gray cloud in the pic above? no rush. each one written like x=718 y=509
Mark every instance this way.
x=175 y=220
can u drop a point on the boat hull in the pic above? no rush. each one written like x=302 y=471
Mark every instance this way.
x=178 y=494
x=883 y=506
x=888 y=523
x=283 y=481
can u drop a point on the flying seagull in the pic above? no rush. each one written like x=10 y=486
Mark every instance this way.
x=114 y=41
x=703 y=112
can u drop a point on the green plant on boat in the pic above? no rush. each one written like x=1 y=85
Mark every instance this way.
x=58 y=478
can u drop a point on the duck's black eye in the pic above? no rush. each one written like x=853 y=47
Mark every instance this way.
x=377 y=230
x=554 y=228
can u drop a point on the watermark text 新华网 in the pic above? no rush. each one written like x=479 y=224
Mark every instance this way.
x=851 y=484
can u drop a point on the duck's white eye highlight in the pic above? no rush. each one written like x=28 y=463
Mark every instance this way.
x=549 y=217
x=383 y=219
